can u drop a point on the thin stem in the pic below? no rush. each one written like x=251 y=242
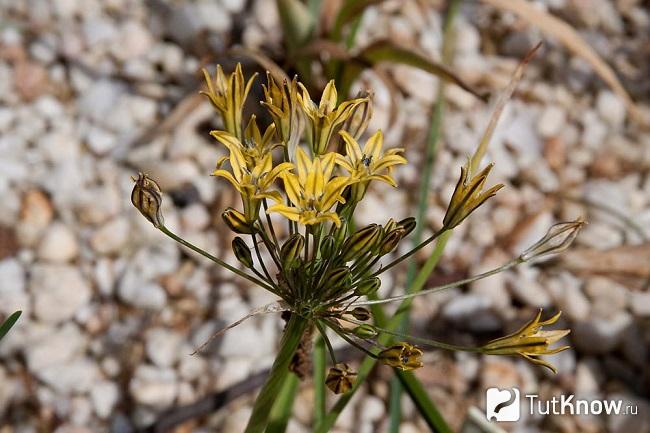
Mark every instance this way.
x=411 y=252
x=489 y=273
x=259 y=258
x=319 y=380
x=218 y=261
x=323 y=334
x=270 y=223
x=279 y=371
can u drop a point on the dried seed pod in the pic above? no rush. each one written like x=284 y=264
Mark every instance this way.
x=147 y=198
x=360 y=313
x=340 y=378
x=236 y=221
x=242 y=252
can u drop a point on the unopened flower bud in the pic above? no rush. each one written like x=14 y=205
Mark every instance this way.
x=408 y=224
x=337 y=278
x=361 y=242
x=365 y=331
x=147 y=198
x=368 y=287
x=557 y=239
x=403 y=356
x=290 y=251
x=390 y=241
x=360 y=313
x=327 y=246
x=236 y=221
x=242 y=252
x=340 y=378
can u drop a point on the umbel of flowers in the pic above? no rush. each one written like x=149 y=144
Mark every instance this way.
x=311 y=167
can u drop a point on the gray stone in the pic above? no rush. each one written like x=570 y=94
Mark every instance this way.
x=163 y=346
x=154 y=386
x=76 y=376
x=104 y=396
x=55 y=347
x=58 y=291
x=111 y=237
x=12 y=287
x=59 y=244
x=598 y=335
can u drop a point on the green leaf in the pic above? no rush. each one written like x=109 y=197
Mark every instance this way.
x=279 y=371
x=387 y=51
x=350 y=10
x=9 y=323
x=297 y=23
x=423 y=403
x=283 y=407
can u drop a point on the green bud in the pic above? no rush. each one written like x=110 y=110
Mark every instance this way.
x=341 y=233
x=327 y=246
x=408 y=224
x=337 y=280
x=365 y=331
x=290 y=251
x=236 y=221
x=242 y=252
x=390 y=241
x=368 y=287
x=360 y=313
x=361 y=242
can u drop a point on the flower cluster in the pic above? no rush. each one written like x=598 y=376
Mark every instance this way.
x=308 y=167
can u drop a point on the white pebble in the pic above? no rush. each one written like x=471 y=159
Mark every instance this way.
x=59 y=244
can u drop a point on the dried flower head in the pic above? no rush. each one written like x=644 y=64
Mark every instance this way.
x=147 y=198
x=340 y=378
x=557 y=239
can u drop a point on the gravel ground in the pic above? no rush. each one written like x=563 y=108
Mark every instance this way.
x=112 y=309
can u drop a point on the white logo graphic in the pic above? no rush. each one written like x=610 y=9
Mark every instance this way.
x=502 y=405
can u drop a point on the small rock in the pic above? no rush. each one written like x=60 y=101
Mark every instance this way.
x=499 y=372
x=233 y=6
x=134 y=41
x=35 y=216
x=154 y=386
x=598 y=335
x=58 y=291
x=30 y=79
x=146 y=295
x=163 y=346
x=551 y=121
x=12 y=287
x=59 y=244
x=72 y=376
x=104 y=396
x=55 y=347
x=100 y=141
x=372 y=408
x=574 y=303
x=191 y=367
x=608 y=297
x=611 y=108
x=111 y=237
x=640 y=303
x=195 y=217
x=527 y=288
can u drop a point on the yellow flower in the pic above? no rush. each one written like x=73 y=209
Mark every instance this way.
x=468 y=195
x=403 y=356
x=253 y=183
x=281 y=101
x=325 y=117
x=530 y=342
x=255 y=146
x=370 y=163
x=312 y=191
x=228 y=96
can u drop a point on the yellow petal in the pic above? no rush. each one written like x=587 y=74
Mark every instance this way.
x=373 y=145
x=328 y=100
x=291 y=187
x=303 y=165
x=352 y=148
x=291 y=213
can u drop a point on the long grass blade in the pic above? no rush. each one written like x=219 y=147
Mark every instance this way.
x=9 y=323
x=283 y=407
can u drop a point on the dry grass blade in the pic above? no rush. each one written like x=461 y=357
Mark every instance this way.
x=632 y=261
x=568 y=36
x=504 y=97
x=264 y=61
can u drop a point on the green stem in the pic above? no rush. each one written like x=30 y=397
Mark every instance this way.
x=218 y=261
x=279 y=371
x=319 y=380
